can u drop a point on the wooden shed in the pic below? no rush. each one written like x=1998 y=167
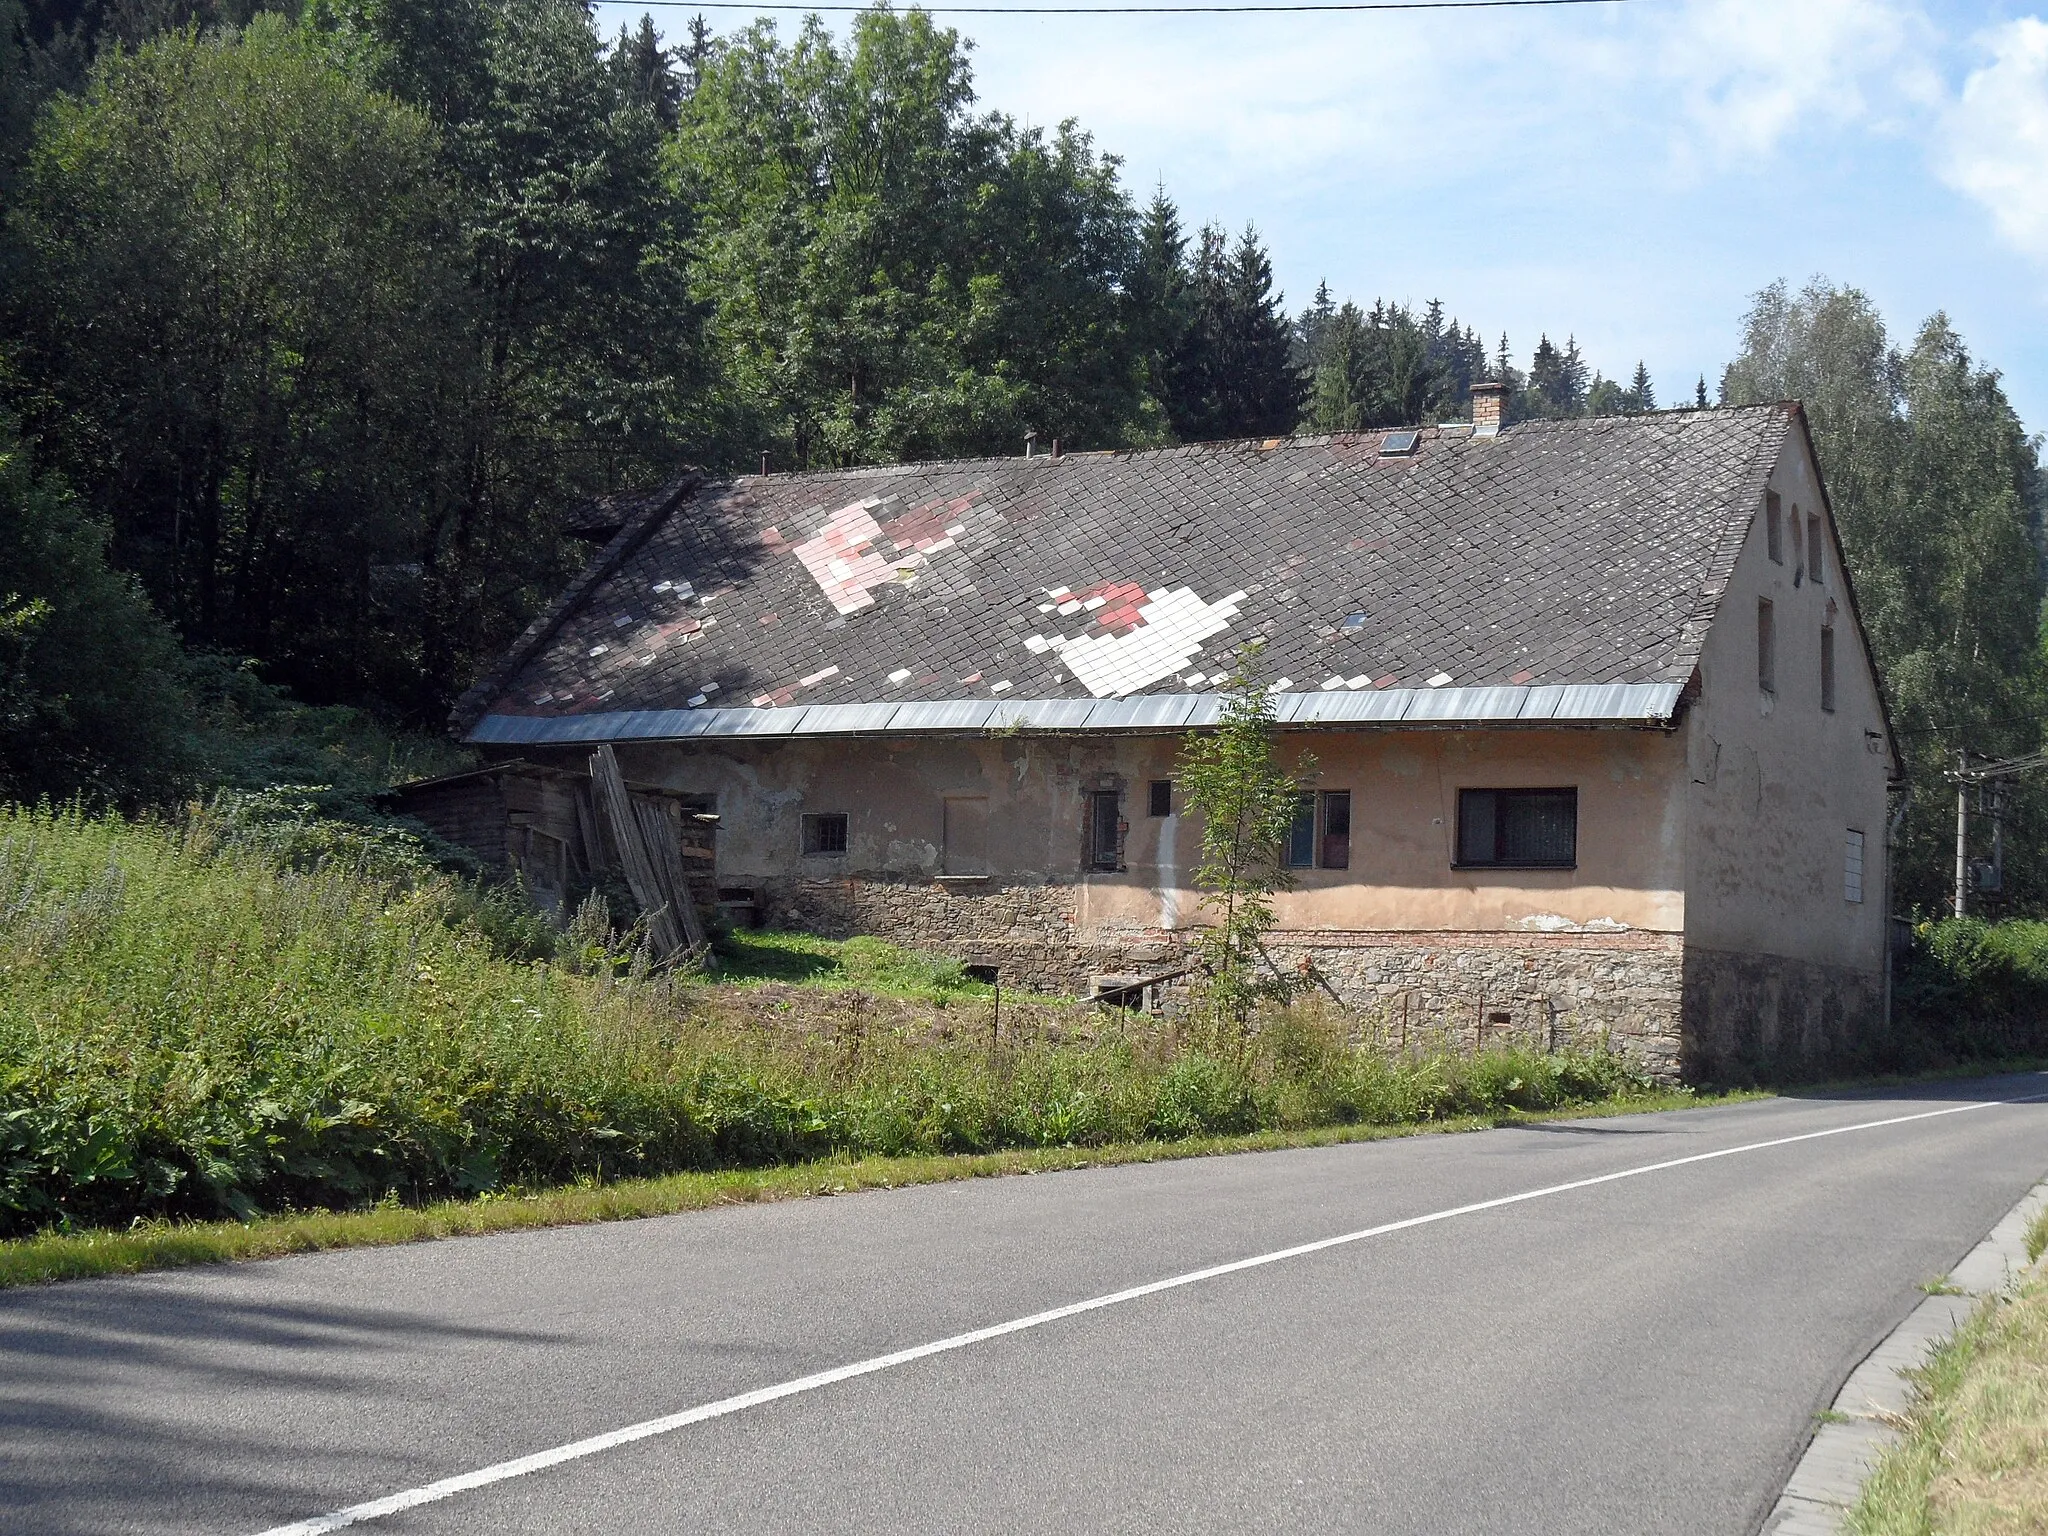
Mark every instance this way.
x=547 y=826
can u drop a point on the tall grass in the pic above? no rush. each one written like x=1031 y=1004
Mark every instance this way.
x=197 y=1019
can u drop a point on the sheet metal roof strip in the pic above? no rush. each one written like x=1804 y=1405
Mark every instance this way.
x=1464 y=704
x=1143 y=710
x=1375 y=706
x=752 y=722
x=1578 y=703
x=1617 y=701
x=845 y=719
x=943 y=715
x=1043 y=714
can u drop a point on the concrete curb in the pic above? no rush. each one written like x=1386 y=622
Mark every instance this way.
x=1843 y=1451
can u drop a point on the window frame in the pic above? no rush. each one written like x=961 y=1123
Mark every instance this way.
x=1816 y=565
x=1159 y=792
x=1502 y=797
x=1774 y=527
x=1767 y=645
x=1855 y=849
x=1325 y=800
x=1314 y=830
x=815 y=838
x=1827 y=668
x=1105 y=860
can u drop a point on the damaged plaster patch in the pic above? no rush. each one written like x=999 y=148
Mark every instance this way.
x=1551 y=922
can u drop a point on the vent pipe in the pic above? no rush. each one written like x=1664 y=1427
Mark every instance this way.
x=1030 y=445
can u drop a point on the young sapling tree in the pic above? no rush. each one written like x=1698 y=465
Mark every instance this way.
x=1233 y=779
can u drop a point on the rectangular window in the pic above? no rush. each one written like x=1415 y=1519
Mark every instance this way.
x=966 y=834
x=1518 y=828
x=825 y=832
x=1105 y=830
x=1766 y=646
x=1774 y=527
x=1827 y=667
x=1852 y=866
x=1301 y=836
x=1162 y=797
x=1814 y=563
x=1336 y=849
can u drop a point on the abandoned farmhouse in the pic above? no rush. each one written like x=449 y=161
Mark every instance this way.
x=1599 y=749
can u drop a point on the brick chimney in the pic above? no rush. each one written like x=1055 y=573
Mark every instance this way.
x=1488 y=399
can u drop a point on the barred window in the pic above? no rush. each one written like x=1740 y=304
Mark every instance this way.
x=825 y=832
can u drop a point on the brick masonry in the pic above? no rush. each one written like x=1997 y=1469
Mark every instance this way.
x=1684 y=1013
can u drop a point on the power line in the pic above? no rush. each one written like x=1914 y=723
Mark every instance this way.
x=1124 y=10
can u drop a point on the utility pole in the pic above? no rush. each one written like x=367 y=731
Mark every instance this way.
x=1986 y=779
x=1962 y=901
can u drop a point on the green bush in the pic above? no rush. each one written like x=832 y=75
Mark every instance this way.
x=253 y=1010
x=1971 y=989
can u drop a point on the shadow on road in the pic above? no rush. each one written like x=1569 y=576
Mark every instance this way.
x=95 y=1442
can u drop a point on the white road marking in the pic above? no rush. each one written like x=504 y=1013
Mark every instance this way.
x=576 y=1450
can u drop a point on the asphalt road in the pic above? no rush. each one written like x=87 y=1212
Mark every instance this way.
x=1636 y=1355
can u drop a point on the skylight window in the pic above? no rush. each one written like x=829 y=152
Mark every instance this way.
x=1399 y=445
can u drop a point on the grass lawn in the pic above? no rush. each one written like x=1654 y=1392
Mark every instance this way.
x=1975 y=1458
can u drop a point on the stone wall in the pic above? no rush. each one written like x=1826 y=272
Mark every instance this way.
x=1547 y=991
x=1028 y=930
x=1762 y=1018
x=1683 y=1013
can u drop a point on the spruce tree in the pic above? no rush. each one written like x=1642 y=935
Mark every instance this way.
x=645 y=72
x=1641 y=396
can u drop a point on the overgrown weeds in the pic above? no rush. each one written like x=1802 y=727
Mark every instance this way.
x=198 y=1019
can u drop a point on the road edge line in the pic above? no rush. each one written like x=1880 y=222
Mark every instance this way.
x=1863 y=1419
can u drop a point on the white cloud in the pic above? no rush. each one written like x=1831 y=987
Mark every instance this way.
x=1751 y=72
x=1995 y=144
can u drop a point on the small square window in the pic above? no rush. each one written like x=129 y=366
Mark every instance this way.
x=1774 y=527
x=1161 y=802
x=1518 y=828
x=825 y=832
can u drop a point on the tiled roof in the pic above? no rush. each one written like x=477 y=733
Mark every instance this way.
x=1580 y=552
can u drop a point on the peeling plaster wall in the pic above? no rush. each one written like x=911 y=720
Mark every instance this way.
x=1553 y=957
x=1404 y=788
x=1774 y=784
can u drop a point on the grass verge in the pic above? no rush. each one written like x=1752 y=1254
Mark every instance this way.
x=57 y=1256
x=1974 y=1461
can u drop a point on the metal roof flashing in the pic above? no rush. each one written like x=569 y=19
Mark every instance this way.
x=1611 y=705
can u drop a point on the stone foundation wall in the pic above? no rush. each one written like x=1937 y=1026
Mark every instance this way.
x=1027 y=930
x=1761 y=1018
x=1547 y=991
x=1682 y=1013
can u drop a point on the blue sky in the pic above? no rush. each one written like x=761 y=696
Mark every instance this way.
x=1624 y=173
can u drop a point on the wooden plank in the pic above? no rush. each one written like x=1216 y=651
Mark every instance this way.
x=661 y=833
x=617 y=808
